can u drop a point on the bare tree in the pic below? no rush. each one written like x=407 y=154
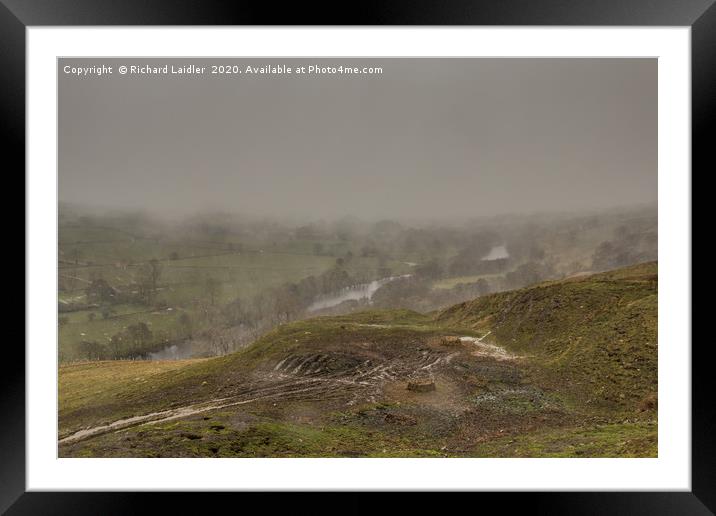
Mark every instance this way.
x=219 y=343
x=149 y=280
x=76 y=255
x=186 y=324
x=212 y=287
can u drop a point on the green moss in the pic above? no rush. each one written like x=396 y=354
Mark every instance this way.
x=262 y=439
x=614 y=440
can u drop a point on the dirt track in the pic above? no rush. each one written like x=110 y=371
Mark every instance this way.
x=351 y=378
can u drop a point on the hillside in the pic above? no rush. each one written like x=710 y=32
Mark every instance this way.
x=562 y=368
x=593 y=337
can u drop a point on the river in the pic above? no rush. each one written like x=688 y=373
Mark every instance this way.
x=178 y=351
x=352 y=293
x=362 y=291
x=184 y=349
x=498 y=252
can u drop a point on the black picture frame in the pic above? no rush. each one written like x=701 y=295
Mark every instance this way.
x=17 y=15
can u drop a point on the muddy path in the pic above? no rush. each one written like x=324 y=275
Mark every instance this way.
x=314 y=377
x=308 y=388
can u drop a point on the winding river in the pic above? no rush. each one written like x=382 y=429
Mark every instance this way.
x=352 y=293
x=498 y=252
x=182 y=350
x=178 y=351
x=357 y=292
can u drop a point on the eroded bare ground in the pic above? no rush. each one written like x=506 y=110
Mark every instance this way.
x=358 y=388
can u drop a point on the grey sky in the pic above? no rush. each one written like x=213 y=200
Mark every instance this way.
x=427 y=138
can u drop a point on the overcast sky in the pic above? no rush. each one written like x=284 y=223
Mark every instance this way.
x=426 y=138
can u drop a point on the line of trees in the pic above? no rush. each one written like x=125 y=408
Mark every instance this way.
x=286 y=302
x=136 y=341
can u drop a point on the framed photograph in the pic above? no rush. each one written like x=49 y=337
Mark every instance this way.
x=441 y=249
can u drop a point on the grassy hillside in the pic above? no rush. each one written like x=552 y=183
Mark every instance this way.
x=89 y=384
x=593 y=337
x=568 y=369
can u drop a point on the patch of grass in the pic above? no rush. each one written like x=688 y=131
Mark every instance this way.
x=86 y=383
x=448 y=283
x=200 y=438
x=613 y=440
x=399 y=327
x=107 y=390
x=384 y=317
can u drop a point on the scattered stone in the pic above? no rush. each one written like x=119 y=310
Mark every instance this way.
x=421 y=385
x=450 y=341
x=400 y=419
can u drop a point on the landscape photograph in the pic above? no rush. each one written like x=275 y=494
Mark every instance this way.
x=357 y=258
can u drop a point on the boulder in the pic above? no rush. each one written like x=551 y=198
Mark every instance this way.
x=421 y=385
x=450 y=341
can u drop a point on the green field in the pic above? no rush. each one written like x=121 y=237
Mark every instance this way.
x=239 y=271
